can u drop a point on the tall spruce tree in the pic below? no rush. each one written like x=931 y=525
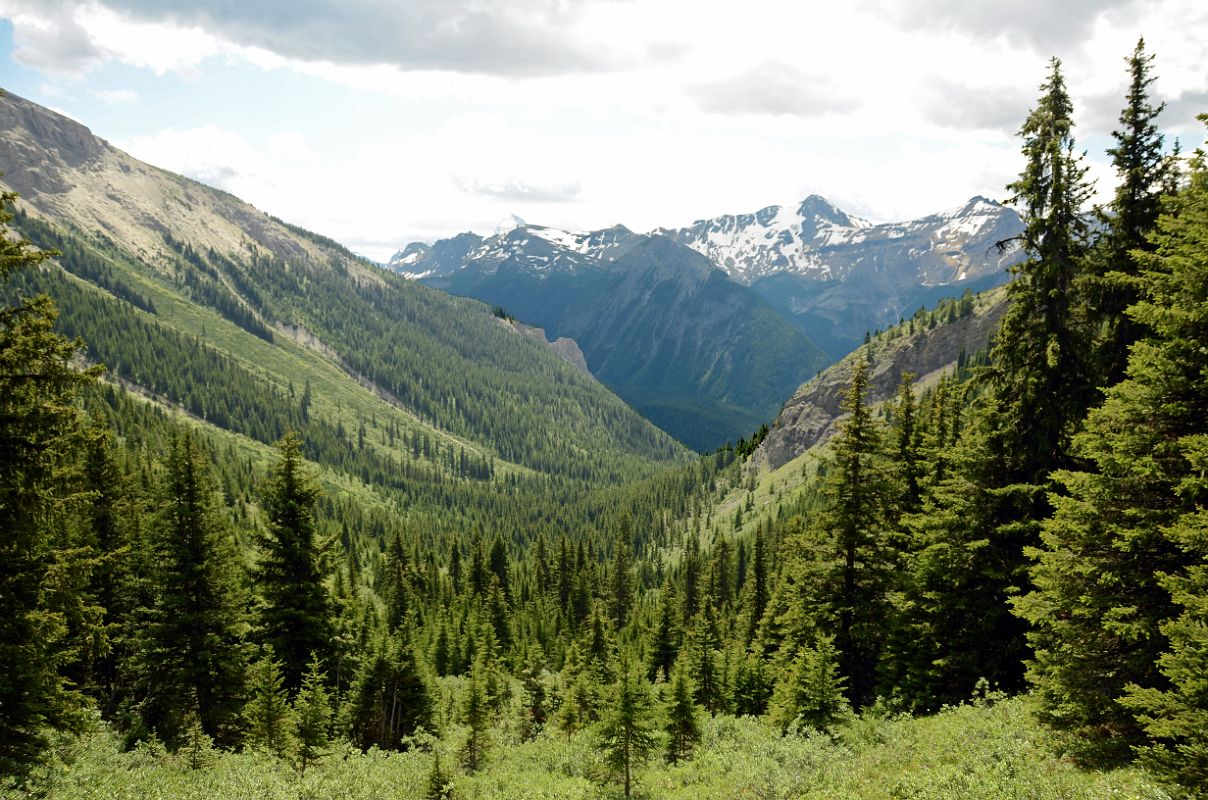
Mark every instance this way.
x=626 y=733
x=295 y=614
x=858 y=559
x=40 y=440
x=1120 y=605
x=1039 y=373
x=1099 y=603
x=683 y=723
x=1038 y=380
x=191 y=656
x=1143 y=169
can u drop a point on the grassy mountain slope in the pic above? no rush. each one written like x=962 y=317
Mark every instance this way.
x=255 y=325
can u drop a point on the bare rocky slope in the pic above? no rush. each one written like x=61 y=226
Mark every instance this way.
x=813 y=413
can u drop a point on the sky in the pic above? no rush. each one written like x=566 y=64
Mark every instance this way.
x=381 y=122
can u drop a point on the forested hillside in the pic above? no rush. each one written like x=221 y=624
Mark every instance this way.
x=469 y=572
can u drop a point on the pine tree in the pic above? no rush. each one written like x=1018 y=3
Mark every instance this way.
x=269 y=722
x=313 y=712
x=295 y=611
x=440 y=786
x=1140 y=519
x=664 y=647
x=1039 y=387
x=1039 y=376
x=191 y=656
x=40 y=438
x=626 y=734
x=622 y=581
x=389 y=699
x=758 y=583
x=858 y=561
x=683 y=724
x=813 y=693
x=1144 y=172
x=475 y=715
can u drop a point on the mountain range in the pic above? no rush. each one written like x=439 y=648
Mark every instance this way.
x=707 y=329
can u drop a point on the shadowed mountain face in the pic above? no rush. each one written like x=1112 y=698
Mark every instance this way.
x=703 y=357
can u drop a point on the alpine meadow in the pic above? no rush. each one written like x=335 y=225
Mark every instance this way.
x=790 y=504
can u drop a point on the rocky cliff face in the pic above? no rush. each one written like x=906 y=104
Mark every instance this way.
x=813 y=414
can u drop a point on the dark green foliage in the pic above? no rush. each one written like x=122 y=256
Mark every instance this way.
x=294 y=612
x=269 y=722
x=312 y=713
x=440 y=787
x=854 y=559
x=626 y=733
x=191 y=657
x=1039 y=373
x=683 y=725
x=41 y=442
x=1144 y=171
x=475 y=714
x=1119 y=606
x=389 y=698
x=811 y=695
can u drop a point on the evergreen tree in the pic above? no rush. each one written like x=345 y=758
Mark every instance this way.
x=812 y=694
x=475 y=715
x=294 y=613
x=1039 y=388
x=758 y=583
x=389 y=699
x=312 y=710
x=626 y=733
x=1038 y=375
x=498 y=565
x=858 y=560
x=683 y=724
x=40 y=439
x=1119 y=606
x=440 y=786
x=622 y=581
x=664 y=646
x=269 y=722
x=1144 y=171
x=191 y=655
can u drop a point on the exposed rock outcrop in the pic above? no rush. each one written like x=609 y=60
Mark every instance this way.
x=813 y=413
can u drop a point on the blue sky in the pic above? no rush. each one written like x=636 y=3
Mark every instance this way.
x=380 y=122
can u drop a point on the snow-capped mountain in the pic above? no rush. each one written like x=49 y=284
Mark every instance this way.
x=819 y=241
x=534 y=249
x=786 y=287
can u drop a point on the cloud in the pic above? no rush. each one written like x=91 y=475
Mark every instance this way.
x=1182 y=112
x=774 y=89
x=954 y=105
x=116 y=97
x=506 y=37
x=48 y=37
x=1045 y=26
x=517 y=190
x=210 y=154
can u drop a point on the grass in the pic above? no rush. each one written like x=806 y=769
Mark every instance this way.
x=987 y=750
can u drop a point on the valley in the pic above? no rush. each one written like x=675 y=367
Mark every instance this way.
x=779 y=504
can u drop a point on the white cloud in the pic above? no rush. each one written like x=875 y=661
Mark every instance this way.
x=116 y=97
x=644 y=113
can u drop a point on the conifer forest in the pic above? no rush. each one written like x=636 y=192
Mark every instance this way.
x=278 y=523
